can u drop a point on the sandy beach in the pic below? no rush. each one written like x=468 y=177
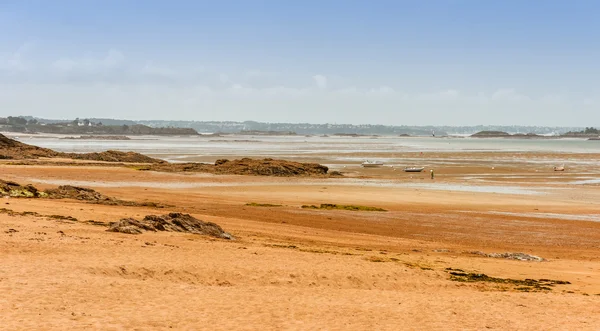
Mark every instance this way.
x=295 y=268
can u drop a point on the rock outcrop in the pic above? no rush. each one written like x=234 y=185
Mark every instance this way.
x=246 y=166
x=114 y=156
x=16 y=190
x=16 y=150
x=12 y=189
x=12 y=149
x=173 y=222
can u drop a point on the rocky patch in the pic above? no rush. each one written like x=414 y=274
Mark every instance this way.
x=173 y=222
x=510 y=256
x=16 y=150
x=12 y=189
x=246 y=166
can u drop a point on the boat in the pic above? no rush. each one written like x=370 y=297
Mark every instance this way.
x=372 y=164
x=561 y=168
x=414 y=169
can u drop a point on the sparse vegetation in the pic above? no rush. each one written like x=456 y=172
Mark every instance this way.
x=254 y=204
x=488 y=134
x=97 y=223
x=591 y=131
x=330 y=206
x=140 y=167
x=16 y=190
x=378 y=259
x=524 y=285
x=62 y=218
x=11 y=212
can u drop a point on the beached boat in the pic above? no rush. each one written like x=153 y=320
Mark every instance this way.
x=414 y=169
x=372 y=164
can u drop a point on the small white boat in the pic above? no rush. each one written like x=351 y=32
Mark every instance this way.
x=561 y=168
x=414 y=169
x=372 y=164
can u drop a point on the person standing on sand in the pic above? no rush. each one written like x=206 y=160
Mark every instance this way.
x=431 y=171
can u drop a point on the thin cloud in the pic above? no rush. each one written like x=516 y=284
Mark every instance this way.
x=113 y=59
x=508 y=94
x=320 y=81
x=15 y=61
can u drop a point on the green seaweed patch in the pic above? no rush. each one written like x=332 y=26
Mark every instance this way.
x=254 y=204
x=524 y=285
x=331 y=206
x=140 y=167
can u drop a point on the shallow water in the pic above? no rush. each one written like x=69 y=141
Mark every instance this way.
x=329 y=182
x=569 y=217
x=586 y=181
x=478 y=188
x=291 y=146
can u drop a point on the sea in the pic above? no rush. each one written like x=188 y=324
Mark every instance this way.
x=179 y=147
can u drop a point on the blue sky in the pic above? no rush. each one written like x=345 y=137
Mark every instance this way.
x=381 y=62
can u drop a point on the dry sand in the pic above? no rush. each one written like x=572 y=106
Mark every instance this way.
x=298 y=269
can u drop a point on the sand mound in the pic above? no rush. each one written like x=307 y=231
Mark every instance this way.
x=13 y=189
x=12 y=149
x=246 y=166
x=173 y=222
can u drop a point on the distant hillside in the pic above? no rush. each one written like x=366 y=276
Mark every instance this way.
x=299 y=128
x=86 y=127
x=490 y=134
x=587 y=132
x=502 y=134
x=104 y=121
x=320 y=129
x=363 y=129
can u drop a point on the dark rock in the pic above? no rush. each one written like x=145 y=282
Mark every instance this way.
x=173 y=222
x=12 y=189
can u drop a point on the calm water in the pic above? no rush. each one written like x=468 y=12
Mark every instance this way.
x=172 y=147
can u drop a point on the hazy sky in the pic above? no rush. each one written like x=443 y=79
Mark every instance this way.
x=529 y=62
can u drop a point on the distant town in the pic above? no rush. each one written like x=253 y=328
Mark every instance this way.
x=163 y=127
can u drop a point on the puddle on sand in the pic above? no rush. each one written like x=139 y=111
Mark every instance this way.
x=569 y=217
x=167 y=185
x=586 y=181
x=477 y=188
x=333 y=182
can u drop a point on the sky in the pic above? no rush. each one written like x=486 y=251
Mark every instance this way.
x=453 y=62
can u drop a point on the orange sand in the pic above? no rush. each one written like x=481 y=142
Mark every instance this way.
x=292 y=268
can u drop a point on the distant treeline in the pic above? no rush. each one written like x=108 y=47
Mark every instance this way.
x=587 y=132
x=299 y=128
x=86 y=126
x=362 y=129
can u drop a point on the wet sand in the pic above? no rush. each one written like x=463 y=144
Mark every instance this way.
x=294 y=268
